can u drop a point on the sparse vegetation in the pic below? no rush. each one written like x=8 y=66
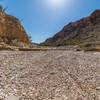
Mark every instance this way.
x=97 y=49
x=60 y=43
x=90 y=46
x=33 y=49
x=5 y=47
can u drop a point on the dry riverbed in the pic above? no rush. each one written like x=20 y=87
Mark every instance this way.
x=50 y=75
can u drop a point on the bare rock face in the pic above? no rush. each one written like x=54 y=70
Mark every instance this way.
x=84 y=30
x=95 y=16
x=11 y=29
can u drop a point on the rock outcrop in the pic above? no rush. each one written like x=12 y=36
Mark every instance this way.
x=11 y=30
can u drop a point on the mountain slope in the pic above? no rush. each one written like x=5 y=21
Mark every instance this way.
x=84 y=30
x=11 y=30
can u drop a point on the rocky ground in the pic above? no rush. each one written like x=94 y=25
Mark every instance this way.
x=50 y=75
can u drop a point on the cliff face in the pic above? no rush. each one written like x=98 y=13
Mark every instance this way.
x=83 y=30
x=11 y=29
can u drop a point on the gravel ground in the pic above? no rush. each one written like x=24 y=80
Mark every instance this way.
x=50 y=75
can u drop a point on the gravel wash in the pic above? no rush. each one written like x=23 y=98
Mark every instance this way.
x=50 y=75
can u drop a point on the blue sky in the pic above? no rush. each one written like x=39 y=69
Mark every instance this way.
x=42 y=20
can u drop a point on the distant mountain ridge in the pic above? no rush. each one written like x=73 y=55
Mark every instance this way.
x=84 y=30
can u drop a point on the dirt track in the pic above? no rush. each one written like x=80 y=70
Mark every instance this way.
x=50 y=75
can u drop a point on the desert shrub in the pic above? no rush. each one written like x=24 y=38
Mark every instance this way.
x=90 y=44
x=5 y=48
x=92 y=49
x=47 y=44
x=60 y=43
x=87 y=45
x=33 y=49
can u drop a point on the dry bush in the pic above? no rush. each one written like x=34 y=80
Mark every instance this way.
x=33 y=49
x=5 y=48
x=93 y=49
x=89 y=46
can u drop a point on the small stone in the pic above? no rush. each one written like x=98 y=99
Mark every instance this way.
x=98 y=88
x=11 y=97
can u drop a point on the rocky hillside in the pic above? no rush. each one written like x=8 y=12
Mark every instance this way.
x=11 y=30
x=84 y=30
